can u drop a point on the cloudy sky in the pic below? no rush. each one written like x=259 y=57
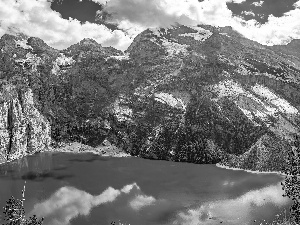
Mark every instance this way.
x=61 y=23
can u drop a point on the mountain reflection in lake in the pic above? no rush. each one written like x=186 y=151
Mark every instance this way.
x=88 y=189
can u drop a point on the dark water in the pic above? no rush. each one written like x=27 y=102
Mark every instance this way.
x=92 y=190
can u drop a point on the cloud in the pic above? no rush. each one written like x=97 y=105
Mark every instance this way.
x=276 y=30
x=102 y=2
x=238 y=1
x=36 y=18
x=233 y=211
x=150 y=13
x=134 y=16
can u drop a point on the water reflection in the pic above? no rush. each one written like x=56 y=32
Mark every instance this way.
x=38 y=163
x=68 y=203
x=64 y=188
x=41 y=176
x=235 y=211
x=34 y=168
x=92 y=158
x=132 y=205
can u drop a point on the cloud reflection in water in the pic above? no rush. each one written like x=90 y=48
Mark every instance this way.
x=234 y=211
x=68 y=203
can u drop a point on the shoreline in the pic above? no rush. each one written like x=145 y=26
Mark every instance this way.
x=109 y=150
x=250 y=171
x=76 y=148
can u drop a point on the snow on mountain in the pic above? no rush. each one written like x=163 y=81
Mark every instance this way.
x=200 y=35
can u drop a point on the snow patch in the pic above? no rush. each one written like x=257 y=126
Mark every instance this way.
x=121 y=111
x=200 y=35
x=170 y=100
x=249 y=115
x=22 y=44
x=119 y=57
x=61 y=61
x=228 y=88
x=225 y=34
x=159 y=31
x=266 y=106
x=283 y=105
x=31 y=60
x=174 y=48
x=284 y=128
x=251 y=106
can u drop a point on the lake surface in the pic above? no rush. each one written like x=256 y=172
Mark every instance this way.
x=86 y=189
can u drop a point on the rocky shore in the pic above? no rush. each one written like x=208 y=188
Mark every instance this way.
x=105 y=149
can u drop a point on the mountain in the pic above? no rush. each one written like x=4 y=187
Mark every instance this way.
x=195 y=94
x=291 y=49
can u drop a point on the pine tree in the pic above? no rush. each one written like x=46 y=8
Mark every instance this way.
x=14 y=212
x=291 y=184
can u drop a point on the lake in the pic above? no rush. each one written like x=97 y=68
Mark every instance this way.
x=86 y=189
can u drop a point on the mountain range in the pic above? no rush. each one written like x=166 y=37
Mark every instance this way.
x=198 y=94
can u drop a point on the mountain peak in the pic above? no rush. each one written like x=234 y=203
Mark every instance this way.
x=89 y=41
x=85 y=45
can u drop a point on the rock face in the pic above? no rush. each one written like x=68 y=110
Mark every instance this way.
x=195 y=94
x=23 y=129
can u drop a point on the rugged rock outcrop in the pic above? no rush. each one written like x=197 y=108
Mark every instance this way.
x=196 y=94
x=23 y=129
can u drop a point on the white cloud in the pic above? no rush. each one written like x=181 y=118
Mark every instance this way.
x=102 y=2
x=275 y=31
x=238 y=1
x=35 y=18
x=137 y=15
x=134 y=16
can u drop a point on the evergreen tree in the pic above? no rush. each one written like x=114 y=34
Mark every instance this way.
x=14 y=213
x=291 y=184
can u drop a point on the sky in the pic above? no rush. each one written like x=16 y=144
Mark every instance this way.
x=61 y=23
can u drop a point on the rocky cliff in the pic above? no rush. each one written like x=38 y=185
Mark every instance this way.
x=23 y=129
x=197 y=94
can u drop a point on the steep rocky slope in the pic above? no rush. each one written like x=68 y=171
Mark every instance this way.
x=197 y=94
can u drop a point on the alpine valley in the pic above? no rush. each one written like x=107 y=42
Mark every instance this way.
x=191 y=94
